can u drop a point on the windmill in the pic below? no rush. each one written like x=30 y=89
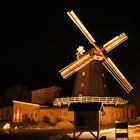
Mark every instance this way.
x=87 y=108
x=97 y=54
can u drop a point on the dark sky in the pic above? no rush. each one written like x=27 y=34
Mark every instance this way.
x=39 y=39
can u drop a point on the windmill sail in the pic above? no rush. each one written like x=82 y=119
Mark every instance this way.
x=114 y=42
x=76 y=20
x=106 y=61
x=115 y=72
x=107 y=46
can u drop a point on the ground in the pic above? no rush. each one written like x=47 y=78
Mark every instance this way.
x=108 y=132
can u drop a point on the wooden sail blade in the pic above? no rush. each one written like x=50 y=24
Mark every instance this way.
x=114 y=42
x=76 y=20
x=78 y=64
x=79 y=24
x=115 y=72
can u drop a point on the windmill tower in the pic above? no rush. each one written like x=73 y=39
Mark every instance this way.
x=90 y=80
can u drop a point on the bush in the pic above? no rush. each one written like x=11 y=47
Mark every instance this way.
x=47 y=120
x=58 y=120
x=26 y=118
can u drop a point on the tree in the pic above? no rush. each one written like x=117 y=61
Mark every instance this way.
x=19 y=93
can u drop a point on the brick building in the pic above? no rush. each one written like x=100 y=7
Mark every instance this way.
x=46 y=95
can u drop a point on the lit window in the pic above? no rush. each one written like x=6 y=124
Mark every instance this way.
x=50 y=114
x=83 y=73
x=103 y=75
x=82 y=84
x=104 y=85
x=64 y=114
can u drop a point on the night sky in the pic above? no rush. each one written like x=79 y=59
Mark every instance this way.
x=39 y=39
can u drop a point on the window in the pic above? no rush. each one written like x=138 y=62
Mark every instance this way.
x=103 y=75
x=83 y=73
x=64 y=114
x=50 y=114
x=82 y=84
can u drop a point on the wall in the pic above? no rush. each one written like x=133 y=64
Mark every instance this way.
x=45 y=95
x=117 y=113
x=56 y=113
x=37 y=112
x=22 y=108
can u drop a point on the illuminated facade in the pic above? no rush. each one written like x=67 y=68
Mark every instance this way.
x=36 y=112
